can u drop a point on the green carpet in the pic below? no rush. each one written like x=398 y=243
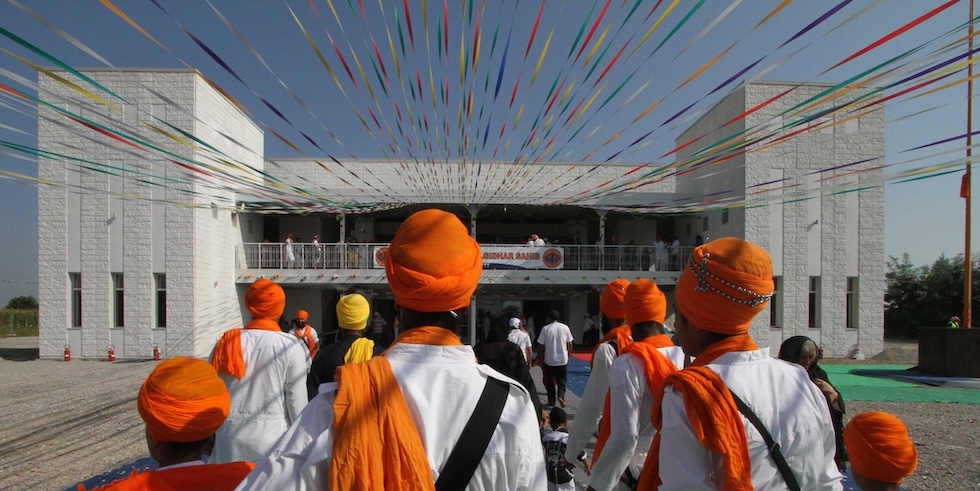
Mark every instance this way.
x=879 y=389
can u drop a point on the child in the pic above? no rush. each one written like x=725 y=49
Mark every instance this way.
x=559 y=470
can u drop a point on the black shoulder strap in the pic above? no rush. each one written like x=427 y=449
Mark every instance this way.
x=472 y=443
x=774 y=451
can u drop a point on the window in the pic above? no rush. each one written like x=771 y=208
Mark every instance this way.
x=814 y=314
x=724 y=216
x=775 y=305
x=852 y=302
x=704 y=224
x=117 y=300
x=76 y=299
x=161 y=303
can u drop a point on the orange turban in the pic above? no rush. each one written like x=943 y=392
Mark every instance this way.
x=725 y=284
x=879 y=447
x=183 y=400
x=644 y=302
x=611 y=302
x=302 y=314
x=265 y=300
x=433 y=265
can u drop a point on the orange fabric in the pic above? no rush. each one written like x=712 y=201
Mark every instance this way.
x=623 y=336
x=227 y=356
x=736 y=262
x=431 y=335
x=644 y=302
x=216 y=477
x=376 y=445
x=879 y=447
x=183 y=400
x=714 y=417
x=656 y=367
x=611 y=302
x=265 y=300
x=307 y=336
x=433 y=265
x=302 y=314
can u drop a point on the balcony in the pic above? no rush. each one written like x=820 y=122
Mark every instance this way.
x=257 y=257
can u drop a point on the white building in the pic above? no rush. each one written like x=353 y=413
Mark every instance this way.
x=127 y=261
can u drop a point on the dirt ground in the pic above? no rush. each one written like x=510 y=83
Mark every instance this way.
x=61 y=423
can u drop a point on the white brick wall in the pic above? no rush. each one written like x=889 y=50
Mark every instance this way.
x=199 y=248
x=814 y=234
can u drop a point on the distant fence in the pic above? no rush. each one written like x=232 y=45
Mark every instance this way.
x=15 y=322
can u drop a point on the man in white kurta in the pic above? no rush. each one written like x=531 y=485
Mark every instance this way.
x=265 y=372
x=520 y=338
x=724 y=286
x=631 y=399
x=301 y=458
x=793 y=410
x=617 y=337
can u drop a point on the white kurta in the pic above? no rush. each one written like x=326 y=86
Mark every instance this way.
x=521 y=339
x=631 y=431
x=788 y=404
x=267 y=399
x=586 y=421
x=441 y=385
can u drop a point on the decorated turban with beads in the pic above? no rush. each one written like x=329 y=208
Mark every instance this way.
x=725 y=284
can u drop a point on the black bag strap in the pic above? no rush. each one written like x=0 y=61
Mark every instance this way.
x=773 y=447
x=472 y=443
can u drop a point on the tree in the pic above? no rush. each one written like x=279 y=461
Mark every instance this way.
x=924 y=296
x=22 y=303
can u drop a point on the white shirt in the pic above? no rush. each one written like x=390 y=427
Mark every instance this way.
x=555 y=338
x=289 y=249
x=267 y=399
x=521 y=339
x=441 y=386
x=790 y=406
x=558 y=436
x=586 y=421
x=631 y=431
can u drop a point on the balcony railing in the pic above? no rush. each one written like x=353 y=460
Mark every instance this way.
x=268 y=255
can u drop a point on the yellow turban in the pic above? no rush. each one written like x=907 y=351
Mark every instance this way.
x=644 y=302
x=611 y=302
x=353 y=311
x=879 y=447
x=265 y=300
x=183 y=400
x=725 y=284
x=433 y=265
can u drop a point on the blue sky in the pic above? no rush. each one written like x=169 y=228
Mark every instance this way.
x=923 y=218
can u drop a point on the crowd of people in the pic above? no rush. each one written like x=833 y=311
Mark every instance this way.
x=704 y=409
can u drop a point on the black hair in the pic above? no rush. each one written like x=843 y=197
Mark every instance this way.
x=557 y=417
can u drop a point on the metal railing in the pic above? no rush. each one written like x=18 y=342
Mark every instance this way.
x=272 y=255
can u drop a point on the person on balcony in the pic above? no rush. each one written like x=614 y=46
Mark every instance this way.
x=535 y=241
x=290 y=255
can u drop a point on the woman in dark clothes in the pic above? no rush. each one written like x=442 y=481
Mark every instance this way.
x=505 y=357
x=804 y=352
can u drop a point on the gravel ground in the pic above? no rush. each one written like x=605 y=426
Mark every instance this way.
x=61 y=423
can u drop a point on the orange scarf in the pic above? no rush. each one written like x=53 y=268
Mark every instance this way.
x=218 y=477
x=715 y=419
x=656 y=367
x=227 y=356
x=307 y=336
x=431 y=335
x=376 y=445
x=623 y=336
